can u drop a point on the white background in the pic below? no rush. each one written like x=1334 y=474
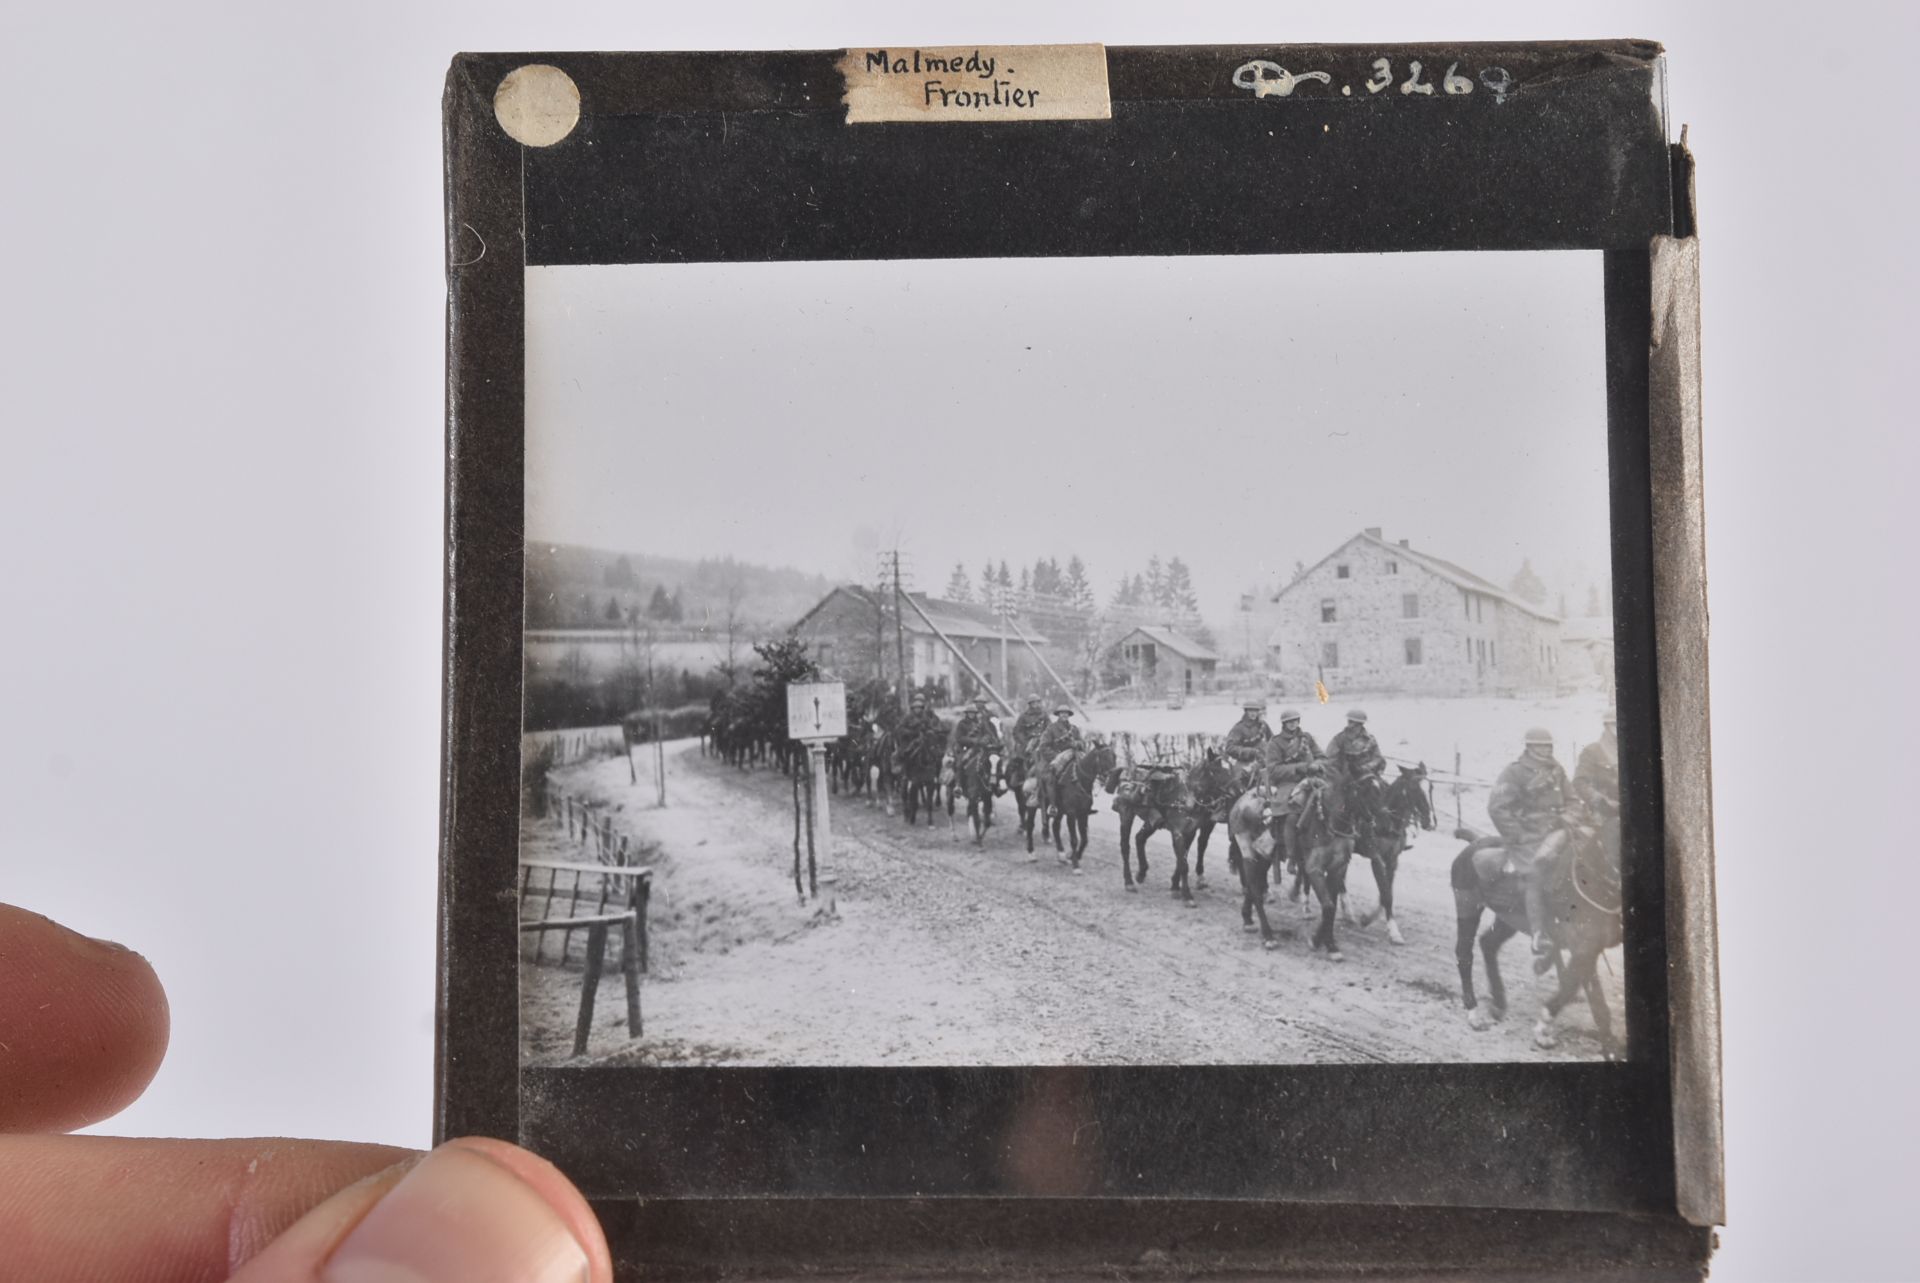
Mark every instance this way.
x=220 y=518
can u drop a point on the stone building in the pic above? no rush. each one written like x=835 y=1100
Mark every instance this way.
x=1380 y=616
x=850 y=633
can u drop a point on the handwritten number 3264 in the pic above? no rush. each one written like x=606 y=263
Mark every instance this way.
x=1413 y=84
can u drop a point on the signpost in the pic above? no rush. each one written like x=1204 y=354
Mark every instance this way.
x=816 y=716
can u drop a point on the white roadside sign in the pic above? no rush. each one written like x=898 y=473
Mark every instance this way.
x=816 y=710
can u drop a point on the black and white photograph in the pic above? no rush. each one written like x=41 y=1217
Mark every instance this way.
x=1137 y=661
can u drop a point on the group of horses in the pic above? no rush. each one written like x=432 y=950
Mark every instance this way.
x=1311 y=832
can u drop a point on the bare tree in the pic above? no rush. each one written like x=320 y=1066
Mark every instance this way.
x=728 y=664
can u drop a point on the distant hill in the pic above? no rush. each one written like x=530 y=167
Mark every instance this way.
x=569 y=586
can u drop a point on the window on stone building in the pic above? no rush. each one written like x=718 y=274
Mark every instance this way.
x=1410 y=605
x=1330 y=654
x=1328 y=611
x=1493 y=654
x=1480 y=609
x=1393 y=567
x=1413 y=650
x=1343 y=571
x=1466 y=602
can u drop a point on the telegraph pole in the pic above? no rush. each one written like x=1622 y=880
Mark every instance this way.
x=1006 y=607
x=900 y=627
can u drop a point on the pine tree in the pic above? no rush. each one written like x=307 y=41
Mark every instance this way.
x=659 y=606
x=1526 y=585
x=676 y=611
x=612 y=612
x=1156 y=594
x=987 y=582
x=1005 y=577
x=1079 y=592
x=1181 y=597
x=1026 y=581
x=958 y=589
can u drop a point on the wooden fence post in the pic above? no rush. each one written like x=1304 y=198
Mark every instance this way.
x=596 y=958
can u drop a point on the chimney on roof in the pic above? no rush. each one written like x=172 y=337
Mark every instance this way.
x=1374 y=531
x=1405 y=544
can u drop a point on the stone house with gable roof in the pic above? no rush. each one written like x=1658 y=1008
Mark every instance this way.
x=1378 y=616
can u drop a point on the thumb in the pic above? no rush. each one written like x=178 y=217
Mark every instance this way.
x=471 y=1211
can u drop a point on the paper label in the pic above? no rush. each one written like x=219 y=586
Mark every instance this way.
x=964 y=83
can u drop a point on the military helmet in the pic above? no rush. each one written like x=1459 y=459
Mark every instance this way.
x=1254 y=706
x=980 y=702
x=919 y=700
x=1357 y=715
x=1540 y=735
x=1289 y=715
x=1032 y=700
x=1063 y=710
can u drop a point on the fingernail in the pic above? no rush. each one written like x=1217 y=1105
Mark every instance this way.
x=459 y=1218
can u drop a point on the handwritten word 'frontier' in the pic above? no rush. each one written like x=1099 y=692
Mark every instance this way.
x=939 y=93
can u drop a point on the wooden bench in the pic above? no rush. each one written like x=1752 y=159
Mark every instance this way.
x=639 y=892
x=596 y=928
x=631 y=920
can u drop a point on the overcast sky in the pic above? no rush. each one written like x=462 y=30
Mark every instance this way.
x=1238 y=412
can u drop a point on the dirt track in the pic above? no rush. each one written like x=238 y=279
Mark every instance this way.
x=926 y=950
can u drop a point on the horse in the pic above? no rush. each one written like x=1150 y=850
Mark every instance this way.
x=1216 y=782
x=1075 y=772
x=1321 y=833
x=1019 y=777
x=1253 y=826
x=1584 y=902
x=976 y=775
x=1383 y=813
x=1159 y=798
x=919 y=767
x=880 y=767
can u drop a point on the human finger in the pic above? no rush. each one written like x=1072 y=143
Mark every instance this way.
x=472 y=1211
x=83 y=1025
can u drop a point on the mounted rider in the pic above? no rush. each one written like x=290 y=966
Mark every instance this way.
x=1528 y=807
x=1025 y=730
x=920 y=726
x=1354 y=750
x=1596 y=776
x=1060 y=736
x=1290 y=757
x=974 y=731
x=1248 y=738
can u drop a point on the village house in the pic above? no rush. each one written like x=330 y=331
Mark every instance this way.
x=1380 y=616
x=850 y=634
x=1164 y=661
x=1586 y=651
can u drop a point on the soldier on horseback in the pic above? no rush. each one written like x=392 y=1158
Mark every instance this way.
x=919 y=724
x=1249 y=736
x=974 y=731
x=1354 y=749
x=1059 y=736
x=1596 y=777
x=1528 y=807
x=1290 y=757
x=1026 y=728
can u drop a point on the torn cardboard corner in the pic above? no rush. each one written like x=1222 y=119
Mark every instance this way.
x=967 y=84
